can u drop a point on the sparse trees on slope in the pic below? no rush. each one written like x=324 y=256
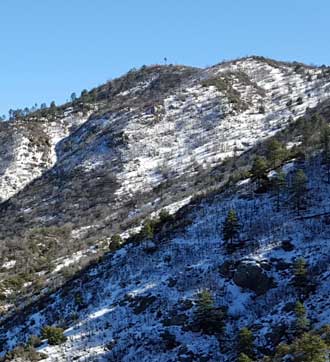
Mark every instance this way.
x=308 y=348
x=231 y=227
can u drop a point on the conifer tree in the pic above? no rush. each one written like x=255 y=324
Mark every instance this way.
x=299 y=189
x=204 y=302
x=325 y=142
x=245 y=342
x=147 y=231
x=231 y=227
x=259 y=169
x=115 y=242
x=300 y=273
x=279 y=185
x=301 y=323
x=209 y=319
x=275 y=153
x=307 y=348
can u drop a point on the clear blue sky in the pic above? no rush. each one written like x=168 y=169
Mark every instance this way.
x=51 y=48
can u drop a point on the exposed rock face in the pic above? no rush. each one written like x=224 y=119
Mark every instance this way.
x=253 y=277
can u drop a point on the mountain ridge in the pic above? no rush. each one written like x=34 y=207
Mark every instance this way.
x=149 y=141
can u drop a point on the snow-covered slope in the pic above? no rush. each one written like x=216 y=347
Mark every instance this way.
x=124 y=308
x=199 y=123
x=153 y=141
x=28 y=150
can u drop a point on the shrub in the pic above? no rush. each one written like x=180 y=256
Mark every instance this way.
x=300 y=101
x=24 y=353
x=244 y=358
x=115 y=242
x=245 y=342
x=34 y=341
x=54 y=335
x=165 y=216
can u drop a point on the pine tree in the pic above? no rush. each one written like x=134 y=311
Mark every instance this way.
x=307 y=348
x=73 y=97
x=279 y=185
x=204 y=302
x=115 y=242
x=245 y=342
x=52 y=108
x=301 y=323
x=208 y=318
x=231 y=227
x=325 y=142
x=147 y=231
x=299 y=189
x=300 y=273
x=275 y=153
x=259 y=170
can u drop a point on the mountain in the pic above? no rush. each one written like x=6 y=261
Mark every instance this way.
x=175 y=139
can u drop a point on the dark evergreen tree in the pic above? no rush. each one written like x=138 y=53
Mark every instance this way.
x=231 y=227
x=84 y=95
x=147 y=231
x=325 y=142
x=307 y=348
x=299 y=190
x=279 y=186
x=302 y=323
x=73 y=97
x=275 y=153
x=246 y=342
x=259 y=170
x=300 y=273
x=209 y=319
x=115 y=242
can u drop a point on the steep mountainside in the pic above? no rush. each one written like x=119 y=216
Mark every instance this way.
x=74 y=176
x=138 y=304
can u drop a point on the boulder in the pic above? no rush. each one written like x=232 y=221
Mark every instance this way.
x=227 y=269
x=253 y=277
